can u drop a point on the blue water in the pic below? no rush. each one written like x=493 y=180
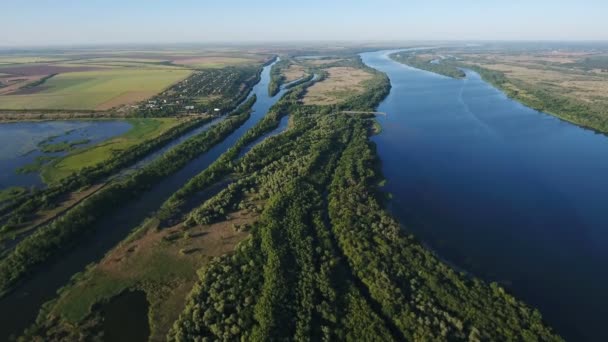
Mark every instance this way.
x=19 y=144
x=505 y=192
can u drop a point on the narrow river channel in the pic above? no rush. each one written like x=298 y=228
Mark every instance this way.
x=505 y=192
x=20 y=307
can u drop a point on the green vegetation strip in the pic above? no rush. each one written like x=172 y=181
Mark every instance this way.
x=47 y=241
x=441 y=68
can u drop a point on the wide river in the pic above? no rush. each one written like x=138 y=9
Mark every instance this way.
x=500 y=190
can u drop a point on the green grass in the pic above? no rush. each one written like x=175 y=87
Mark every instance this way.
x=12 y=192
x=94 y=90
x=143 y=129
x=164 y=276
x=62 y=146
x=36 y=165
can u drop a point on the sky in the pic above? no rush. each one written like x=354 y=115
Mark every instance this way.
x=72 y=22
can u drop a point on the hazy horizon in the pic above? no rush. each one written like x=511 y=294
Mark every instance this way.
x=67 y=22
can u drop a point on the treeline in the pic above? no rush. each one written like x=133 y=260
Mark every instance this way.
x=437 y=66
x=64 y=231
x=18 y=212
x=592 y=115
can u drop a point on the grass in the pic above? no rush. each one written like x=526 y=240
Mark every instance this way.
x=340 y=84
x=62 y=146
x=95 y=90
x=143 y=129
x=25 y=59
x=214 y=62
x=154 y=261
x=12 y=192
x=294 y=72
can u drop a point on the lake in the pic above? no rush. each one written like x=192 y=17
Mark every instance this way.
x=500 y=190
x=20 y=144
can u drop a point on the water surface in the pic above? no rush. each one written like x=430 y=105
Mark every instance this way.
x=19 y=144
x=508 y=193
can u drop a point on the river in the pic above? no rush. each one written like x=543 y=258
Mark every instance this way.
x=19 y=308
x=505 y=192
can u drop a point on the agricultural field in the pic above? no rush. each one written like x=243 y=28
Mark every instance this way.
x=340 y=84
x=92 y=90
x=143 y=129
x=100 y=80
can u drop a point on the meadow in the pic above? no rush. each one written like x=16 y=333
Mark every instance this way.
x=103 y=80
x=94 y=90
x=340 y=84
x=143 y=129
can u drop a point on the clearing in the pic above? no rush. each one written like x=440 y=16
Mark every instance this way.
x=161 y=262
x=340 y=84
x=294 y=72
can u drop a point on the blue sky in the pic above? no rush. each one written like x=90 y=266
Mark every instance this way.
x=48 y=22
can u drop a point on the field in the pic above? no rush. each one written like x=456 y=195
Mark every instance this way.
x=94 y=90
x=294 y=72
x=555 y=71
x=101 y=80
x=341 y=83
x=215 y=61
x=143 y=129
